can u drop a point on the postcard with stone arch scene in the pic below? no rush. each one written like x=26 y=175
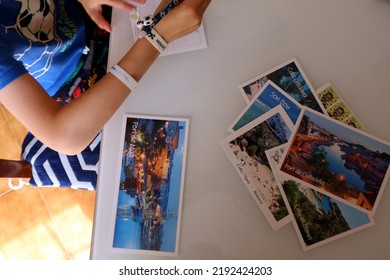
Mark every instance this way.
x=149 y=191
x=246 y=148
x=289 y=76
x=338 y=160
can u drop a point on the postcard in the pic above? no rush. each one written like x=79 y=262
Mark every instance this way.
x=149 y=187
x=336 y=107
x=274 y=156
x=319 y=219
x=268 y=97
x=339 y=112
x=337 y=160
x=354 y=122
x=246 y=150
x=290 y=77
x=191 y=42
x=328 y=95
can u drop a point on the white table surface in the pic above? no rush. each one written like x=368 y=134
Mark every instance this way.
x=343 y=42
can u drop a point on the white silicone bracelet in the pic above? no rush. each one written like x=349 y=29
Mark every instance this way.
x=124 y=77
x=156 y=40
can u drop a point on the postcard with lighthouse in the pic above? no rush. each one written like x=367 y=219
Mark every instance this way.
x=149 y=187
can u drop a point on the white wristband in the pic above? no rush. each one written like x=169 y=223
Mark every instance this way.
x=156 y=40
x=124 y=77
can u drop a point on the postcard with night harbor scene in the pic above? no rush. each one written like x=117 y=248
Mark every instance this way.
x=150 y=185
x=337 y=160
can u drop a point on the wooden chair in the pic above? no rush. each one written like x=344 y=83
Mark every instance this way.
x=11 y=167
x=14 y=169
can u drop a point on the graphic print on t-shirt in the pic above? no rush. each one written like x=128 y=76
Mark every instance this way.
x=36 y=23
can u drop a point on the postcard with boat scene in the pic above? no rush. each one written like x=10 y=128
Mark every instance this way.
x=150 y=185
x=268 y=97
x=246 y=150
x=338 y=160
x=290 y=77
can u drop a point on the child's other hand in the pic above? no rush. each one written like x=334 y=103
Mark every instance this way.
x=94 y=9
x=182 y=20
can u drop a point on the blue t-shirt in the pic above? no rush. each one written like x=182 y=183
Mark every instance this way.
x=45 y=38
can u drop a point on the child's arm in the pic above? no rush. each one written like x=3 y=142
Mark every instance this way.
x=70 y=128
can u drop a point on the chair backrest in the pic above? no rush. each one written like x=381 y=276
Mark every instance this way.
x=15 y=169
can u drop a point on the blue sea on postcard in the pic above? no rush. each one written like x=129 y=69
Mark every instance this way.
x=257 y=109
x=269 y=98
x=354 y=217
x=127 y=227
x=128 y=232
x=334 y=156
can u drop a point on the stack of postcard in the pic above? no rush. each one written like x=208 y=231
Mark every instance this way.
x=304 y=157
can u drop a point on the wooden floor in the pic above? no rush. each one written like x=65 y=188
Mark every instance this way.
x=40 y=223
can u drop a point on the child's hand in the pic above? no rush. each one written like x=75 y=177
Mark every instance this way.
x=182 y=20
x=94 y=9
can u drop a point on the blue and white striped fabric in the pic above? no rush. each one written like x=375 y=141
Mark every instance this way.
x=53 y=169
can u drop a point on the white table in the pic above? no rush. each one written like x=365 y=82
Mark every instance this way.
x=344 y=42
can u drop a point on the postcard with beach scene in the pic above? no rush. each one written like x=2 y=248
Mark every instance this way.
x=317 y=218
x=336 y=107
x=246 y=150
x=290 y=77
x=150 y=185
x=337 y=160
x=267 y=98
